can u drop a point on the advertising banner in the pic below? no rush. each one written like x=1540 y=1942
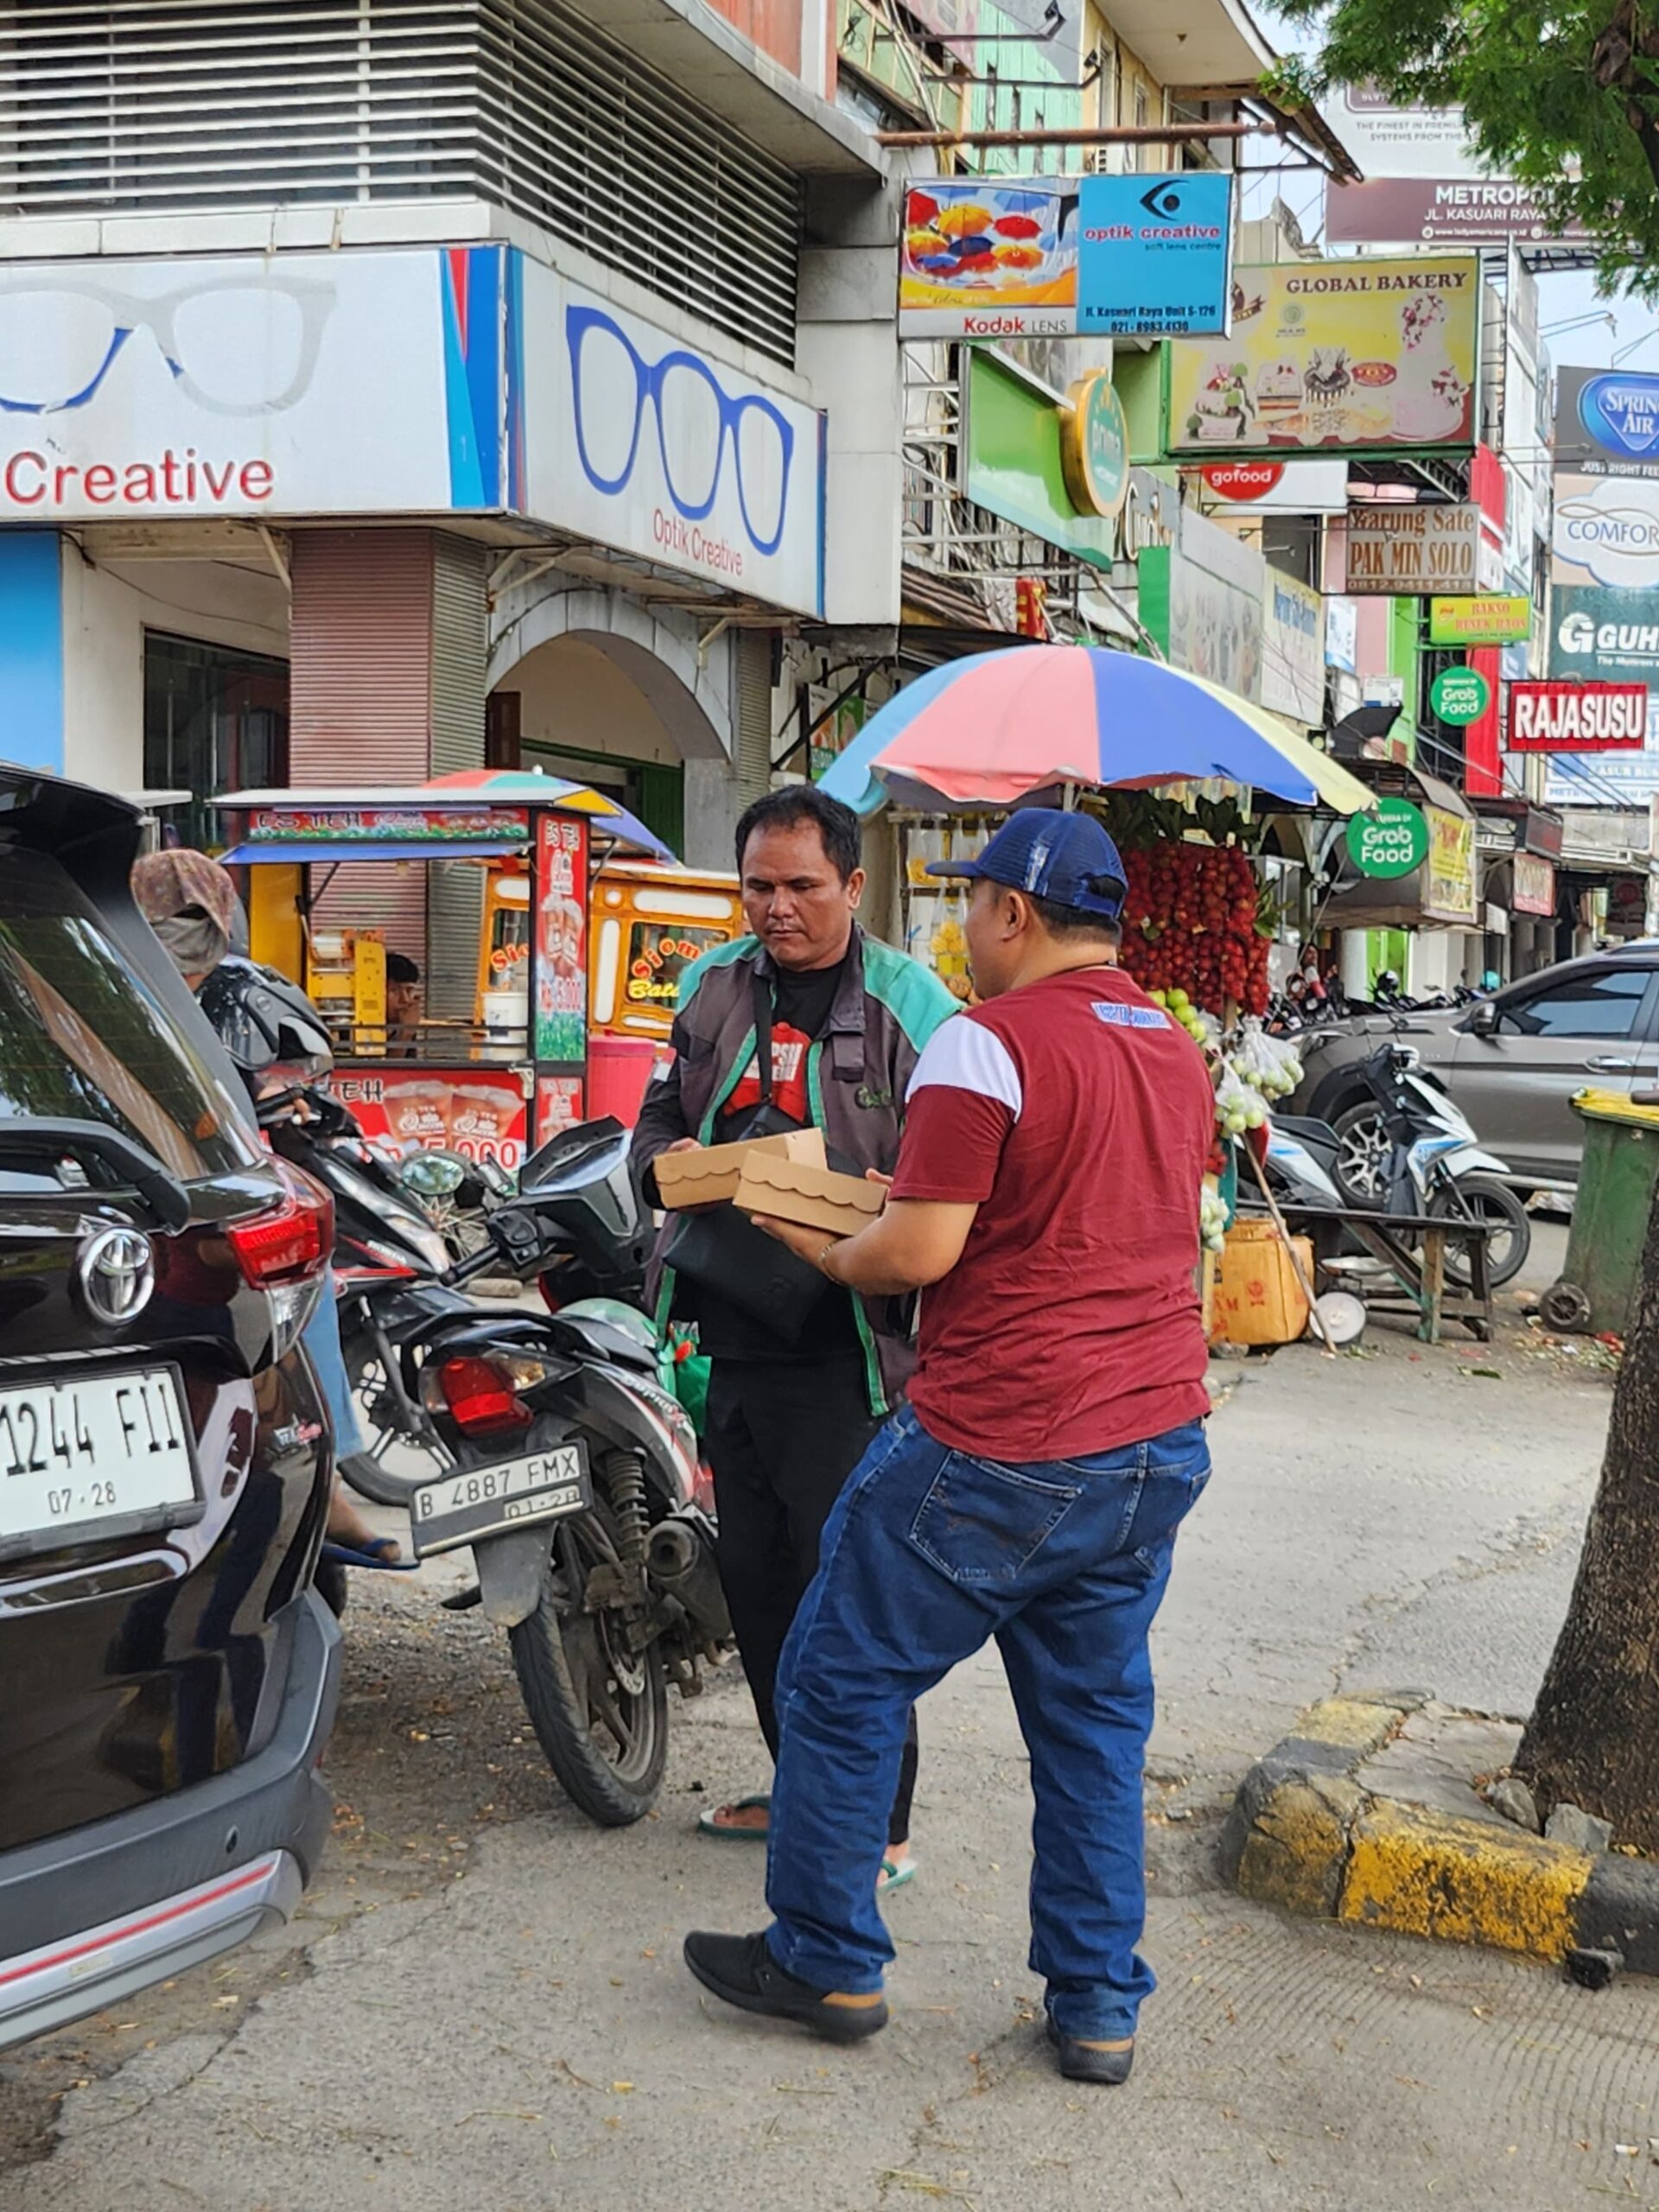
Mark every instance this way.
x=391 y=825
x=1606 y=531
x=1563 y=717
x=1362 y=355
x=640 y=440
x=1606 y=423
x=1449 y=879
x=1386 y=141
x=1485 y=619
x=560 y=1023
x=1293 y=650
x=1441 y=211
x=1291 y=488
x=254 y=386
x=1131 y=256
x=479 y=1115
x=1532 y=886
x=1409 y=552
x=1201 y=597
x=1342 y=634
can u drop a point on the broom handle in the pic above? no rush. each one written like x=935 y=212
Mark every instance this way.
x=1292 y=1254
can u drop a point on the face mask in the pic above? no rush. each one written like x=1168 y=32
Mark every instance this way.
x=196 y=944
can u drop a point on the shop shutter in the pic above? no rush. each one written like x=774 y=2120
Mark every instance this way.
x=454 y=901
x=162 y=106
x=752 y=655
x=360 y=662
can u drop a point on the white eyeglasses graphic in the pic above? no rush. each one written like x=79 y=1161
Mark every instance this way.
x=237 y=346
x=613 y=382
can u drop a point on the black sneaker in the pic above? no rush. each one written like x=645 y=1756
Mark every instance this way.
x=1092 y=2062
x=741 y=1970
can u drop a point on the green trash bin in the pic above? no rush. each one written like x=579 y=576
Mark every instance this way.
x=1597 y=1290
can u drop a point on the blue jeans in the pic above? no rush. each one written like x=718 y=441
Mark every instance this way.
x=926 y=1553
x=320 y=1340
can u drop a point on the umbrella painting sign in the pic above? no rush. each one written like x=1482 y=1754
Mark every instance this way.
x=1360 y=355
x=1134 y=256
x=1202 y=599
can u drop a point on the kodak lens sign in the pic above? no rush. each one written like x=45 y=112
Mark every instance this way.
x=1565 y=717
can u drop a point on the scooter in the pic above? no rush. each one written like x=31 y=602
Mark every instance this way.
x=1435 y=1166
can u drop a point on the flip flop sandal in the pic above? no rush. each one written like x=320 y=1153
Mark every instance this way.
x=722 y=1832
x=893 y=1876
x=372 y=1554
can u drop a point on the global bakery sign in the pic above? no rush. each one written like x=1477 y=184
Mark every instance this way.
x=1354 y=356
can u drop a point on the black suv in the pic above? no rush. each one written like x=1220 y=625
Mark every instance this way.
x=167 y=1675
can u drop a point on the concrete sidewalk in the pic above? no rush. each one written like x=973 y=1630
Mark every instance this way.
x=511 y=2024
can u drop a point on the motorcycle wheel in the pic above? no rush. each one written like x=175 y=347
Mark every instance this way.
x=1361 y=1153
x=599 y=1710
x=1491 y=1201
x=367 y=1471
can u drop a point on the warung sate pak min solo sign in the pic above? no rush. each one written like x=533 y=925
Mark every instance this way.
x=1565 y=717
x=1411 y=552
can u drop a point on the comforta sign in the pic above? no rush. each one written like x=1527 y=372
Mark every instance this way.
x=253 y=386
x=1606 y=531
x=1578 y=717
x=642 y=441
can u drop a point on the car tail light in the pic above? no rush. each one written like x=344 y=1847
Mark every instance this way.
x=481 y=1395
x=285 y=1250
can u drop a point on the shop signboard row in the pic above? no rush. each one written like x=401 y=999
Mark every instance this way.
x=429 y=382
x=1359 y=356
x=1104 y=256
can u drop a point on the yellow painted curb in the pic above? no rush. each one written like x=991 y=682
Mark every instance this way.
x=1422 y=1873
x=1351 y=1724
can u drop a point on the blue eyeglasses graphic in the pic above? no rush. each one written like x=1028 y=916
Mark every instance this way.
x=681 y=388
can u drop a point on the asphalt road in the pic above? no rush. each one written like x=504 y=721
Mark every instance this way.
x=484 y=2003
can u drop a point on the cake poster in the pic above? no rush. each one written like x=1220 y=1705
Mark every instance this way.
x=1361 y=356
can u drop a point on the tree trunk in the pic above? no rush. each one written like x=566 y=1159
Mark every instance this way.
x=1593 y=1738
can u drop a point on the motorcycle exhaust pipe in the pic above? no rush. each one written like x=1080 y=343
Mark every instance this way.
x=680 y=1560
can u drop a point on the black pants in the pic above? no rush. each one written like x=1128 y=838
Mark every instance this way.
x=782 y=1439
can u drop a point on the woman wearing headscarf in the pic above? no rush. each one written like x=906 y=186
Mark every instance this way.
x=191 y=903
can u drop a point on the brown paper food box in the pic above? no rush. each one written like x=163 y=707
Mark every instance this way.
x=706 y=1176
x=816 y=1197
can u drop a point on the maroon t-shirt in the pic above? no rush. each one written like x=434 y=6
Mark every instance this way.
x=1077 y=1116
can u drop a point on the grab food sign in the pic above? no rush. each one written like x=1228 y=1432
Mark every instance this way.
x=1566 y=717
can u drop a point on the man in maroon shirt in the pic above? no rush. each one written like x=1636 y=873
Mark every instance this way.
x=1046 y=1202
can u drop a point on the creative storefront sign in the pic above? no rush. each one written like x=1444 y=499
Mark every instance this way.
x=1409 y=552
x=1449 y=880
x=1362 y=355
x=1532 y=886
x=1131 y=256
x=1460 y=696
x=640 y=440
x=560 y=1021
x=1095 y=446
x=481 y=1116
x=1293 y=650
x=1606 y=531
x=1390 y=841
x=1565 y=717
x=255 y=387
x=1487 y=619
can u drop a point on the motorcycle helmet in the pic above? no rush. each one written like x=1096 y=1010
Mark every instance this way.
x=263 y=1022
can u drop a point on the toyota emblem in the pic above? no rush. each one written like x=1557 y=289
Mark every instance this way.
x=117 y=1274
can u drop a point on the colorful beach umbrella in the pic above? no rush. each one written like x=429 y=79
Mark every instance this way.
x=996 y=728
x=530 y=787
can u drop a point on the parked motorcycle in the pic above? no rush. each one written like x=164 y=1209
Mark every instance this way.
x=1432 y=1165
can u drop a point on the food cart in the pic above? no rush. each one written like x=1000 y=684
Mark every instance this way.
x=522 y=1063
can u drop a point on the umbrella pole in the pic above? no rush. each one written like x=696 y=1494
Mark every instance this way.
x=1069 y=799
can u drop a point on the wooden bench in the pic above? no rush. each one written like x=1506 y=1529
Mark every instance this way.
x=1412 y=1247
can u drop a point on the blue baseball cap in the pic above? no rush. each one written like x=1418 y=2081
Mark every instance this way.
x=1066 y=857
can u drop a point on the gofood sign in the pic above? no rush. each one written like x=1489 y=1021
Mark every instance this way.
x=1566 y=717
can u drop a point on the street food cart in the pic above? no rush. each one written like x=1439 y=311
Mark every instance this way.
x=521 y=1061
